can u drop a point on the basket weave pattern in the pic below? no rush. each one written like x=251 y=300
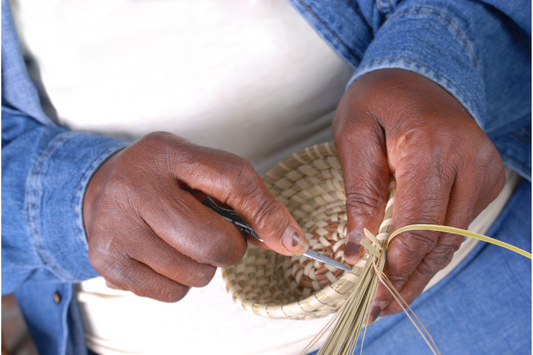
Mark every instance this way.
x=310 y=184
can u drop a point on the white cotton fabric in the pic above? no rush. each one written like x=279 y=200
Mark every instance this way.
x=118 y=322
x=249 y=77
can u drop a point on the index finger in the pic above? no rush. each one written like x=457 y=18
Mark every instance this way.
x=422 y=196
x=362 y=153
x=232 y=180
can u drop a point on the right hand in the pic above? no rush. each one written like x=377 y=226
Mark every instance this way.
x=447 y=170
x=148 y=234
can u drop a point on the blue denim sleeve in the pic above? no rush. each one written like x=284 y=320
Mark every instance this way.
x=476 y=52
x=479 y=51
x=45 y=170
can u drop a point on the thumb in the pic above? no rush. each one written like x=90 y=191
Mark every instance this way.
x=362 y=154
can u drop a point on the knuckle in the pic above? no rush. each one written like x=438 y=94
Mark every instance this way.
x=416 y=244
x=432 y=158
x=96 y=262
x=152 y=143
x=478 y=152
x=351 y=123
x=156 y=138
x=398 y=279
x=240 y=176
x=136 y=279
x=364 y=201
x=425 y=211
x=431 y=265
x=159 y=151
x=438 y=259
x=116 y=272
x=485 y=149
x=103 y=261
x=270 y=216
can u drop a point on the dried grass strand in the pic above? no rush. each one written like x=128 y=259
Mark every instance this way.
x=459 y=231
x=390 y=287
x=309 y=183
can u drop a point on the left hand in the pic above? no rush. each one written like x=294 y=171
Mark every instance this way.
x=149 y=234
x=447 y=171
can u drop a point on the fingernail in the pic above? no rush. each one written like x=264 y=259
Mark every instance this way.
x=374 y=314
x=351 y=250
x=294 y=242
x=376 y=310
x=353 y=247
x=355 y=237
x=295 y=239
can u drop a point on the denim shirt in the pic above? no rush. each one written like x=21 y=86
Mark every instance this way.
x=479 y=51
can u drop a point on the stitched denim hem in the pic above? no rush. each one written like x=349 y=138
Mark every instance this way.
x=429 y=42
x=407 y=64
x=329 y=20
x=83 y=187
x=55 y=214
x=511 y=147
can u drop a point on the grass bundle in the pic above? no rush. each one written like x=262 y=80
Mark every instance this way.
x=268 y=284
x=310 y=184
x=347 y=324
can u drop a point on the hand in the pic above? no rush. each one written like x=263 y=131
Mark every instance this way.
x=148 y=234
x=447 y=171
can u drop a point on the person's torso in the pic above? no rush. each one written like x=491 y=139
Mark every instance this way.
x=252 y=78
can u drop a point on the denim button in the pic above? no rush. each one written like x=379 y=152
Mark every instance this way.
x=57 y=297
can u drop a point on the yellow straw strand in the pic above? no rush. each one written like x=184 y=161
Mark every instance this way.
x=309 y=183
x=386 y=282
x=465 y=233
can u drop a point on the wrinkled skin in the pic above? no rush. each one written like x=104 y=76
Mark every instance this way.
x=149 y=234
x=447 y=171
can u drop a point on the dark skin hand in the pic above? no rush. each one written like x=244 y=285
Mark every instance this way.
x=447 y=171
x=149 y=234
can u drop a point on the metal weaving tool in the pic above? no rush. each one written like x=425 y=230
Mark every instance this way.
x=233 y=217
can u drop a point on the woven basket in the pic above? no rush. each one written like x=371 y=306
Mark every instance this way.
x=310 y=185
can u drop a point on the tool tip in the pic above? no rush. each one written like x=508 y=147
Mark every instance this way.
x=346 y=268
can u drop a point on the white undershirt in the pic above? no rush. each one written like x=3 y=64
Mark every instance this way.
x=120 y=320
x=248 y=77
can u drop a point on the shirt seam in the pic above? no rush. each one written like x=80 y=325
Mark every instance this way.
x=378 y=3
x=358 y=11
x=328 y=29
x=81 y=192
x=463 y=39
x=370 y=65
x=34 y=203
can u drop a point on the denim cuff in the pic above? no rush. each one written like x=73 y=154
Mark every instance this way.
x=56 y=188
x=430 y=42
